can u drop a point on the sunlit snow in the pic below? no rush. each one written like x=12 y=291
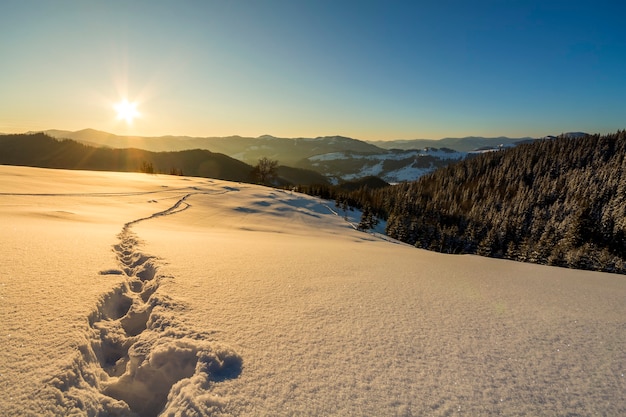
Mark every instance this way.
x=132 y=294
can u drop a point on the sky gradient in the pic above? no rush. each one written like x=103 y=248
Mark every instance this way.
x=372 y=70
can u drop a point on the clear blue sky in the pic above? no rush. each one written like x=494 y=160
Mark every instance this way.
x=299 y=68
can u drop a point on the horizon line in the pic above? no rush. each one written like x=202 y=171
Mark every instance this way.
x=295 y=137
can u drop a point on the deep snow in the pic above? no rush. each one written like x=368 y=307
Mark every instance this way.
x=131 y=293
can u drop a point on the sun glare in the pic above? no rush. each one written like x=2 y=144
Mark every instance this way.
x=126 y=111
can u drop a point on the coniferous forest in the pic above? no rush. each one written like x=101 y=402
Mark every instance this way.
x=556 y=201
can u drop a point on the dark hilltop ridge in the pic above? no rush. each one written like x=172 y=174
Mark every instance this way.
x=41 y=150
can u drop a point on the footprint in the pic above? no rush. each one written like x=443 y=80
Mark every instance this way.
x=114 y=357
x=149 y=378
x=134 y=322
x=155 y=367
x=147 y=271
x=115 y=304
x=135 y=285
x=149 y=288
x=111 y=347
x=138 y=259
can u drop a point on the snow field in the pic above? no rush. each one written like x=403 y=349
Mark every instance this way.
x=133 y=294
x=342 y=323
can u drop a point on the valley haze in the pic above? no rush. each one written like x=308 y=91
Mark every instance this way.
x=131 y=294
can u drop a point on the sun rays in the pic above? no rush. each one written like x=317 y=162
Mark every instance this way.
x=126 y=111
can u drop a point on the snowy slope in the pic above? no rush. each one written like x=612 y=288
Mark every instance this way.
x=132 y=294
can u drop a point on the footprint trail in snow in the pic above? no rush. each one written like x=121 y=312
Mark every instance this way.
x=141 y=360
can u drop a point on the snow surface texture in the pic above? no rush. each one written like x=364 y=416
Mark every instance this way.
x=134 y=294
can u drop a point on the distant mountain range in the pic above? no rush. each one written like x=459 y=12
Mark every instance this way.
x=467 y=144
x=336 y=157
x=286 y=151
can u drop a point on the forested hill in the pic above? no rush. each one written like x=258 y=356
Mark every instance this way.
x=40 y=150
x=559 y=201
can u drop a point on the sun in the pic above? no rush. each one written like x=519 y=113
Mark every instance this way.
x=126 y=111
